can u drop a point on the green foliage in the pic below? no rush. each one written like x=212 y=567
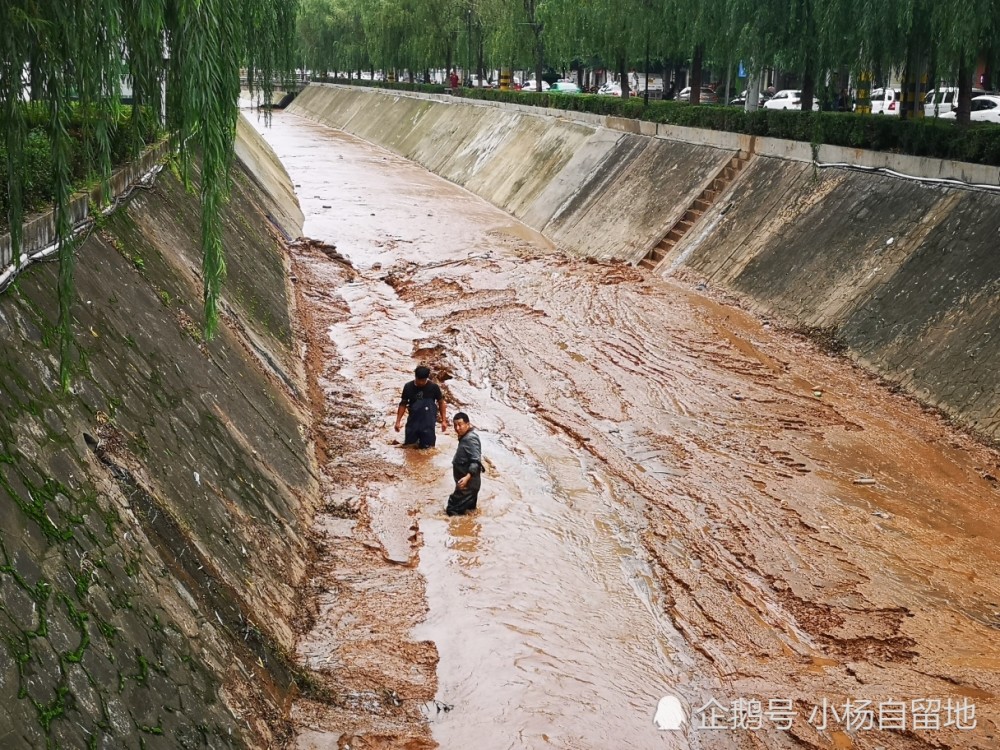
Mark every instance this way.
x=70 y=58
x=37 y=186
x=808 y=38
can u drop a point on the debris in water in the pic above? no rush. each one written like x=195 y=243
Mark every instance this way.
x=197 y=479
x=865 y=480
x=881 y=514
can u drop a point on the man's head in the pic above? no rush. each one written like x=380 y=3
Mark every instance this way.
x=461 y=422
x=421 y=375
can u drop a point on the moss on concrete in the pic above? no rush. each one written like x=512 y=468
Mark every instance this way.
x=152 y=520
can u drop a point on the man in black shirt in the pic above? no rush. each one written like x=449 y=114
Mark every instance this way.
x=466 y=468
x=422 y=400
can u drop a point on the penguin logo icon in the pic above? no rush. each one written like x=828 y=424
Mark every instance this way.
x=669 y=714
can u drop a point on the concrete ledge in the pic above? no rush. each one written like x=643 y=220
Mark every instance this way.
x=918 y=166
x=623 y=124
x=39 y=231
x=698 y=136
x=782 y=149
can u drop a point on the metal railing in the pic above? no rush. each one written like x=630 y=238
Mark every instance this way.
x=39 y=238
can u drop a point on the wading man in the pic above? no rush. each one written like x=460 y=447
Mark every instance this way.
x=422 y=402
x=466 y=467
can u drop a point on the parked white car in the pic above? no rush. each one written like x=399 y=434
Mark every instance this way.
x=565 y=87
x=530 y=86
x=985 y=108
x=788 y=99
x=940 y=101
x=886 y=101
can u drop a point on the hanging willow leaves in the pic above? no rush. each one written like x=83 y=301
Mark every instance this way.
x=70 y=58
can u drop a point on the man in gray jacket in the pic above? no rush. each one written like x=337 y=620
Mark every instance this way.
x=466 y=467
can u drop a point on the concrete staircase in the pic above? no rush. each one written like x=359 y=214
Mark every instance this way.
x=698 y=206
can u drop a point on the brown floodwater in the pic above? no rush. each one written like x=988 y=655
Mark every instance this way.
x=682 y=500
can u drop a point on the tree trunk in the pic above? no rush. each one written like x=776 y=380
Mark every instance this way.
x=479 y=59
x=963 y=111
x=913 y=100
x=539 y=56
x=699 y=51
x=808 y=88
x=753 y=91
x=35 y=79
x=623 y=76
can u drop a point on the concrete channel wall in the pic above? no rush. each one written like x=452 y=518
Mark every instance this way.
x=155 y=517
x=903 y=272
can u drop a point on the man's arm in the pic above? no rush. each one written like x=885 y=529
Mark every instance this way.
x=401 y=409
x=400 y=413
x=474 y=459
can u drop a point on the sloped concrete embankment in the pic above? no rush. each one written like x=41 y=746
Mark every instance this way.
x=154 y=518
x=903 y=275
x=598 y=192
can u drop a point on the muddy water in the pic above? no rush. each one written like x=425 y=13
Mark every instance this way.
x=542 y=607
x=681 y=500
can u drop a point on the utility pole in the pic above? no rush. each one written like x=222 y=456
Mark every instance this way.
x=468 y=44
x=645 y=93
x=163 y=82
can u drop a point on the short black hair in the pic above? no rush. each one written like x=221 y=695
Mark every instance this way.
x=423 y=372
x=461 y=417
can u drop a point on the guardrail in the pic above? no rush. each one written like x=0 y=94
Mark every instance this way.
x=39 y=237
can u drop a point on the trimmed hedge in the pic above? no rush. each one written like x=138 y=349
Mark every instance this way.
x=36 y=175
x=942 y=139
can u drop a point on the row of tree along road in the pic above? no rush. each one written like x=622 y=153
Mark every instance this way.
x=840 y=44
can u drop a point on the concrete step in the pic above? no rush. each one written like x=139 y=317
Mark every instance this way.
x=664 y=246
x=701 y=205
x=709 y=195
x=691 y=215
x=675 y=235
x=655 y=254
x=647 y=264
x=728 y=174
x=684 y=226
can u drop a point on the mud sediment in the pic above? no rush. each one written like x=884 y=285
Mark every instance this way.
x=683 y=499
x=371 y=678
